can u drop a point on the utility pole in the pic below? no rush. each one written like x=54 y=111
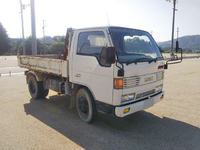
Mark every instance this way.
x=177 y=33
x=34 y=42
x=172 y=42
x=44 y=37
x=24 y=50
x=108 y=19
x=151 y=32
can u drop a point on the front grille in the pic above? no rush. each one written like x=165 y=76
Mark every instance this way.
x=135 y=81
x=131 y=82
x=145 y=94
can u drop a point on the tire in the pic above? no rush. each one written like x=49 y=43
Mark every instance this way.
x=46 y=92
x=43 y=92
x=36 y=88
x=85 y=105
x=33 y=87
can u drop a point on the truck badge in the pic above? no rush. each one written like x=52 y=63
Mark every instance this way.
x=148 y=79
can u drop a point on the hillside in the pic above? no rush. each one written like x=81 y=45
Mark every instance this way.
x=186 y=42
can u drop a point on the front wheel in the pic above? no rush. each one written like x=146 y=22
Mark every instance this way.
x=85 y=105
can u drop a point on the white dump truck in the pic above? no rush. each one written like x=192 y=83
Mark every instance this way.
x=113 y=70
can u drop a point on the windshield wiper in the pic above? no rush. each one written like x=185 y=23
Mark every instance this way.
x=144 y=59
x=155 y=59
x=138 y=60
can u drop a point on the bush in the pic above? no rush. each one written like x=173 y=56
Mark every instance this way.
x=56 y=47
x=28 y=46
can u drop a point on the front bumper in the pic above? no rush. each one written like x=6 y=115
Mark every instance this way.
x=141 y=105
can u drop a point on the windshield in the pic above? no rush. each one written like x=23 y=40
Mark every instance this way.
x=134 y=45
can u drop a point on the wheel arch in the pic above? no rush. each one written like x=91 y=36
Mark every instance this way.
x=38 y=76
x=79 y=86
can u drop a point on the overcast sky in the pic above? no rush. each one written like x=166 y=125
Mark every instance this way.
x=154 y=16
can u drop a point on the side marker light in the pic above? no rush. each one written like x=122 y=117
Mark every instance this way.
x=160 y=67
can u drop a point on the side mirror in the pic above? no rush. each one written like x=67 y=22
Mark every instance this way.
x=107 y=56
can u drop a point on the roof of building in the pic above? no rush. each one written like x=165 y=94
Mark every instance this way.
x=48 y=40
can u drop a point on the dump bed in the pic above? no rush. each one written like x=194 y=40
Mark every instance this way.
x=49 y=64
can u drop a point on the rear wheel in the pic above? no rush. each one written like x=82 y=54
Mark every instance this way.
x=33 y=87
x=36 y=88
x=43 y=92
x=86 y=105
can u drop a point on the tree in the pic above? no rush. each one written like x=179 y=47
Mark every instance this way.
x=15 y=48
x=137 y=45
x=161 y=49
x=56 y=47
x=5 y=43
x=188 y=50
x=59 y=38
x=28 y=46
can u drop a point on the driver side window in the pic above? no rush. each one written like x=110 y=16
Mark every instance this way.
x=91 y=43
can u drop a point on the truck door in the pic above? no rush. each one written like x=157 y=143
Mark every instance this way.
x=86 y=69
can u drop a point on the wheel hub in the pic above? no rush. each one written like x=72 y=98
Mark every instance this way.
x=83 y=105
x=32 y=87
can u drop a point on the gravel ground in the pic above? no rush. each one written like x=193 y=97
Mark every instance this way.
x=46 y=124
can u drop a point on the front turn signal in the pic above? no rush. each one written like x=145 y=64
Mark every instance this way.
x=126 y=110
x=118 y=83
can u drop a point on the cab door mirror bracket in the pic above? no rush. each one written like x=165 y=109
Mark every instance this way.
x=174 y=58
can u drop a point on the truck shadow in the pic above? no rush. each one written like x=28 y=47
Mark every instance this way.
x=141 y=130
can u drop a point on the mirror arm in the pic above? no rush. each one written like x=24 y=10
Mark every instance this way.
x=176 y=60
x=121 y=69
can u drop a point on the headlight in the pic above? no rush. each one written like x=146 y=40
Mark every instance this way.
x=159 y=88
x=128 y=97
